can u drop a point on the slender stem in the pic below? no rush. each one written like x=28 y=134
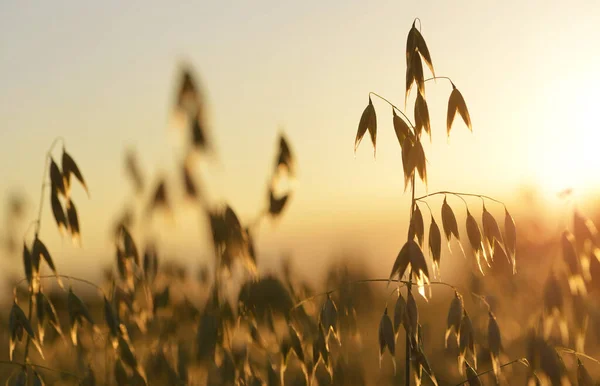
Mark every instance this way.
x=65 y=277
x=37 y=232
x=458 y=194
x=413 y=202
x=428 y=207
x=520 y=360
x=577 y=353
x=394 y=106
x=44 y=185
x=482 y=298
x=29 y=314
x=41 y=367
x=439 y=77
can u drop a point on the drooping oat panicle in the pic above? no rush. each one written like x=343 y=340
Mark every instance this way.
x=491 y=230
x=58 y=212
x=199 y=130
x=285 y=159
x=191 y=190
x=18 y=379
x=466 y=341
x=553 y=307
x=78 y=311
x=408 y=161
x=296 y=343
x=368 y=121
x=569 y=252
x=28 y=265
x=159 y=198
x=130 y=248
x=276 y=204
x=399 y=312
x=207 y=337
x=39 y=250
x=188 y=93
x=112 y=321
x=74 y=227
x=321 y=348
x=161 y=299
x=435 y=245
x=329 y=317
x=69 y=167
x=414 y=72
x=472 y=377
x=475 y=239
x=134 y=172
x=417 y=225
x=126 y=353
x=583 y=377
x=456 y=103
x=400 y=127
x=411 y=254
x=150 y=263
x=120 y=373
x=571 y=258
x=418 y=159
x=416 y=43
x=17 y=324
x=56 y=178
x=494 y=342
x=37 y=379
x=510 y=237
x=386 y=337
x=584 y=229
x=422 y=121
x=449 y=222
x=46 y=312
x=402 y=261
x=411 y=318
x=454 y=319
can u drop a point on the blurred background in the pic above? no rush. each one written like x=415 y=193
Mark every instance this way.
x=104 y=77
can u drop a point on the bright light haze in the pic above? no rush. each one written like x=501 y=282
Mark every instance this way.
x=102 y=76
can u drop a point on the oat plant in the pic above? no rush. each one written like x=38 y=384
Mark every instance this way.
x=486 y=241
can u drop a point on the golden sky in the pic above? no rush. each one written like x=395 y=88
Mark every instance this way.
x=102 y=75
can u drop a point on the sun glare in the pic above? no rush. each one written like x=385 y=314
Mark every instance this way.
x=568 y=154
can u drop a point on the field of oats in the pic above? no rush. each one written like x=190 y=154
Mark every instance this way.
x=201 y=284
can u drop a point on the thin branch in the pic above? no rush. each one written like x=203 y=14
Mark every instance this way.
x=44 y=185
x=65 y=277
x=364 y=281
x=577 y=353
x=439 y=77
x=428 y=207
x=393 y=106
x=458 y=194
x=520 y=360
x=41 y=367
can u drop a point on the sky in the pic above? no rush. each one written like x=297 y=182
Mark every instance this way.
x=102 y=76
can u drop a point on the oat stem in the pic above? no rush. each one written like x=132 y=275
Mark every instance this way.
x=68 y=278
x=37 y=230
x=41 y=367
x=409 y=287
x=438 y=77
x=519 y=360
x=577 y=353
x=459 y=194
x=394 y=107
